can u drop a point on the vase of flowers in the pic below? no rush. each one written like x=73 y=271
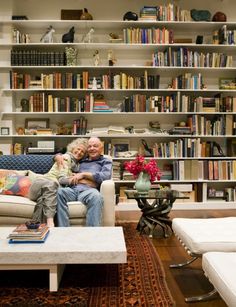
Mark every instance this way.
x=143 y=183
x=144 y=171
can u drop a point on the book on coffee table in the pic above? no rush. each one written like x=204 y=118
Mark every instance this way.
x=21 y=234
x=29 y=240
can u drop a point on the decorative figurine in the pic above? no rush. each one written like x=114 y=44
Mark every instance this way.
x=94 y=84
x=69 y=36
x=88 y=37
x=48 y=36
x=85 y=15
x=96 y=58
x=20 y=131
x=113 y=35
x=219 y=17
x=111 y=58
x=61 y=128
x=130 y=16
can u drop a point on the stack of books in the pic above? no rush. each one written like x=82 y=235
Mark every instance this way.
x=148 y=13
x=21 y=234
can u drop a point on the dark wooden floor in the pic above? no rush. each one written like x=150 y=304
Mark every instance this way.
x=187 y=281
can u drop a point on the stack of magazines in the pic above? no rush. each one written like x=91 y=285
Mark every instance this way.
x=21 y=234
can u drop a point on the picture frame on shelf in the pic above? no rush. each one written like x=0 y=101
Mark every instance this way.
x=36 y=123
x=71 y=14
x=227 y=83
x=5 y=131
x=120 y=146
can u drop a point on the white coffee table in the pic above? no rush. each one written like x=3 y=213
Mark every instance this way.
x=64 y=245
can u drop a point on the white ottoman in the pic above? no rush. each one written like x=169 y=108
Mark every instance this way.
x=220 y=269
x=204 y=235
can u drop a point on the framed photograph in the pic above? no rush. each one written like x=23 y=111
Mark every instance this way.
x=227 y=83
x=71 y=14
x=5 y=130
x=120 y=146
x=36 y=123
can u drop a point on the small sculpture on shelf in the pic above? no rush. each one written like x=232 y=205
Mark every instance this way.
x=85 y=15
x=62 y=129
x=94 y=84
x=96 y=58
x=114 y=38
x=111 y=58
x=48 y=36
x=20 y=131
x=113 y=35
x=219 y=17
x=130 y=16
x=88 y=37
x=69 y=36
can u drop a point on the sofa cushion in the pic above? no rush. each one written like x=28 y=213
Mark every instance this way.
x=16 y=206
x=4 y=173
x=77 y=209
x=17 y=185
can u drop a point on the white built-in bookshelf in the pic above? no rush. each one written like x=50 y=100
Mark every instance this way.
x=169 y=81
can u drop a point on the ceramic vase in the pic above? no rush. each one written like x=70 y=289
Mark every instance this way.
x=143 y=183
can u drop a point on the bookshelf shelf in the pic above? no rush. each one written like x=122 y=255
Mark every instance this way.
x=132 y=59
x=179 y=25
x=161 y=90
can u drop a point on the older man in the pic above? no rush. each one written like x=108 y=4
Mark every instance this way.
x=92 y=171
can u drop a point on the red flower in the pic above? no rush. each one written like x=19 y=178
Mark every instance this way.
x=139 y=165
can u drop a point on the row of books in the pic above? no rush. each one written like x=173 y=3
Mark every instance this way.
x=187 y=81
x=178 y=103
x=69 y=80
x=218 y=125
x=204 y=170
x=43 y=102
x=37 y=58
x=80 y=126
x=186 y=147
x=172 y=12
x=184 y=57
x=39 y=102
x=148 y=36
x=226 y=36
x=205 y=104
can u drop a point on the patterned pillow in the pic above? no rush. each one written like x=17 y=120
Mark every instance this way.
x=4 y=173
x=17 y=185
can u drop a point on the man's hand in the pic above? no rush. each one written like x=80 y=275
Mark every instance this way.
x=75 y=179
x=79 y=178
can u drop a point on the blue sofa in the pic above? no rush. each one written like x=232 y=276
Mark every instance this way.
x=16 y=209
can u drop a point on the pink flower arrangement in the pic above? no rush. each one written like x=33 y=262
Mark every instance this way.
x=139 y=165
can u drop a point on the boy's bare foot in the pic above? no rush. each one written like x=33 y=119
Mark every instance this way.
x=50 y=222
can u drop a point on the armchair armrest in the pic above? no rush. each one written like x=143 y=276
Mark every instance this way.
x=108 y=192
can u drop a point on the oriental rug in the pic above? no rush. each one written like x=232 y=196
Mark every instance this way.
x=139 y=282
